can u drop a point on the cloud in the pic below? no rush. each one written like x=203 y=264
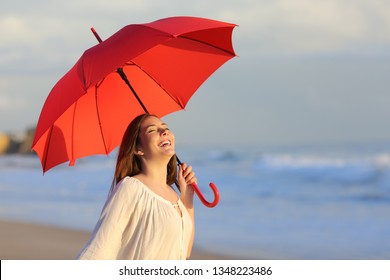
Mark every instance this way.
x=13 y=28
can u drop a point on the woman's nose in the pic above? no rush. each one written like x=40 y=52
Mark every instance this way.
x=164 y=132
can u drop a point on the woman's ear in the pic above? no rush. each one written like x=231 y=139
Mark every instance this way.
x=139 y=152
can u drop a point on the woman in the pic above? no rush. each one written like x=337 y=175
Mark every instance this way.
x=143 y=217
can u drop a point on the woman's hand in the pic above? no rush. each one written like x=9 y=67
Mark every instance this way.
x=185 y=178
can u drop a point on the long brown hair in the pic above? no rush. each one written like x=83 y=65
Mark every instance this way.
x=128 y=163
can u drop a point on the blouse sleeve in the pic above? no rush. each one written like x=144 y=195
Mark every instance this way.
x=105 y=241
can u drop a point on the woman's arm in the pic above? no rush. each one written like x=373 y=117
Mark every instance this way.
x=185 y=178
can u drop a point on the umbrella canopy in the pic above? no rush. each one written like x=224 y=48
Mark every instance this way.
x=166 y=61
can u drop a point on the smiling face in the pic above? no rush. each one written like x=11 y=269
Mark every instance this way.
x=155 y=139
x=146 y=138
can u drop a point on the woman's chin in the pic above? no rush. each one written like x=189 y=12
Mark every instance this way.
x=169 y=152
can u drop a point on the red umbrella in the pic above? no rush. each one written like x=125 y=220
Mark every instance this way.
x=163 y=63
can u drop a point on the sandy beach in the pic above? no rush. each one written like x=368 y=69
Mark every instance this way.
x=26 y=241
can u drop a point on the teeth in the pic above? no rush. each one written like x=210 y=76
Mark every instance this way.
x=165 y=143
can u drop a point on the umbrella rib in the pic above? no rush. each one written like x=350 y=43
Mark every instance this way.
x=47 y=148
x=72 y=137
x=210 y=45
x=160 y=85
x=98 y=116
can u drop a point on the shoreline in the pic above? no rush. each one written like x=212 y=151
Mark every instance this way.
x=31 y=241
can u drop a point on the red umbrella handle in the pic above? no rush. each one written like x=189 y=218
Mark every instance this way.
x=199 y=193
x=201 y=197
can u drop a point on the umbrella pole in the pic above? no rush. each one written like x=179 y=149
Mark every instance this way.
x=124 y=78
x=122 y=74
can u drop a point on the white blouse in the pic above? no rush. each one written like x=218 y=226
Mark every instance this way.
x=136 y=224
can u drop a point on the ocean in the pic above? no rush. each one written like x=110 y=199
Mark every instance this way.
x=277 y=202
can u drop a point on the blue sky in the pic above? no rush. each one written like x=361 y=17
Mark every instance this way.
x=308 y=71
